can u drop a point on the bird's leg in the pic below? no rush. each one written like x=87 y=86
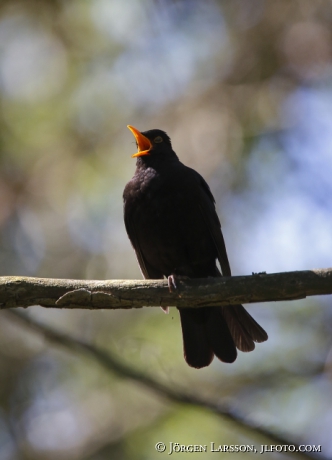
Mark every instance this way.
x=172 y=279
x=172 y=287
x=172 y=283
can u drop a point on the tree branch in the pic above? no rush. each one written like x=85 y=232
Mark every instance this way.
x=16 y=291
x=111 y=363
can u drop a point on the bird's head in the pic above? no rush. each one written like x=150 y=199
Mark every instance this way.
x=152 y=142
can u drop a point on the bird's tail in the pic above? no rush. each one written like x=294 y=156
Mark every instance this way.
x=244 y=330
x=218 y=331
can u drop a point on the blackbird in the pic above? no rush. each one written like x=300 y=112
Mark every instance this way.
x=171 y=221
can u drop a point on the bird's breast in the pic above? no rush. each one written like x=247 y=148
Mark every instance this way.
x=169 y=226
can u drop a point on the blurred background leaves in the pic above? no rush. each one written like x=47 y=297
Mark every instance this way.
x=244 y=89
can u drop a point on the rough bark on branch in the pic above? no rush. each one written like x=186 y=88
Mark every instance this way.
x=16 y=291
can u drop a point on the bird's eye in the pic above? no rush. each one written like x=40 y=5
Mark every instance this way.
x=158 y=139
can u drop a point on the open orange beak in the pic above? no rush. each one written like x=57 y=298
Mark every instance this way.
x=143 y=143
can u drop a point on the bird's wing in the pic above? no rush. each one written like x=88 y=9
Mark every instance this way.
x=206 y=204
x=243 y=328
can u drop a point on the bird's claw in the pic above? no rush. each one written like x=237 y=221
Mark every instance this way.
x=172 y=283
x=173 y=279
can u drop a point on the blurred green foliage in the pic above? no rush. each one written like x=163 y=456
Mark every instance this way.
x=243 y=87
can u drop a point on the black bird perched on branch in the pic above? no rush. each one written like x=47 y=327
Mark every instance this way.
x=171 y=221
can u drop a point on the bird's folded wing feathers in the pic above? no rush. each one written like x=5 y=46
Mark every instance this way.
x=207 y=209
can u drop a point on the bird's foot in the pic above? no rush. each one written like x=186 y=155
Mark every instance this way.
x=172 y=283
x=173 y=279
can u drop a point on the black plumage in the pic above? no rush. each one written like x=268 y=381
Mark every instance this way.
x=171 y=221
